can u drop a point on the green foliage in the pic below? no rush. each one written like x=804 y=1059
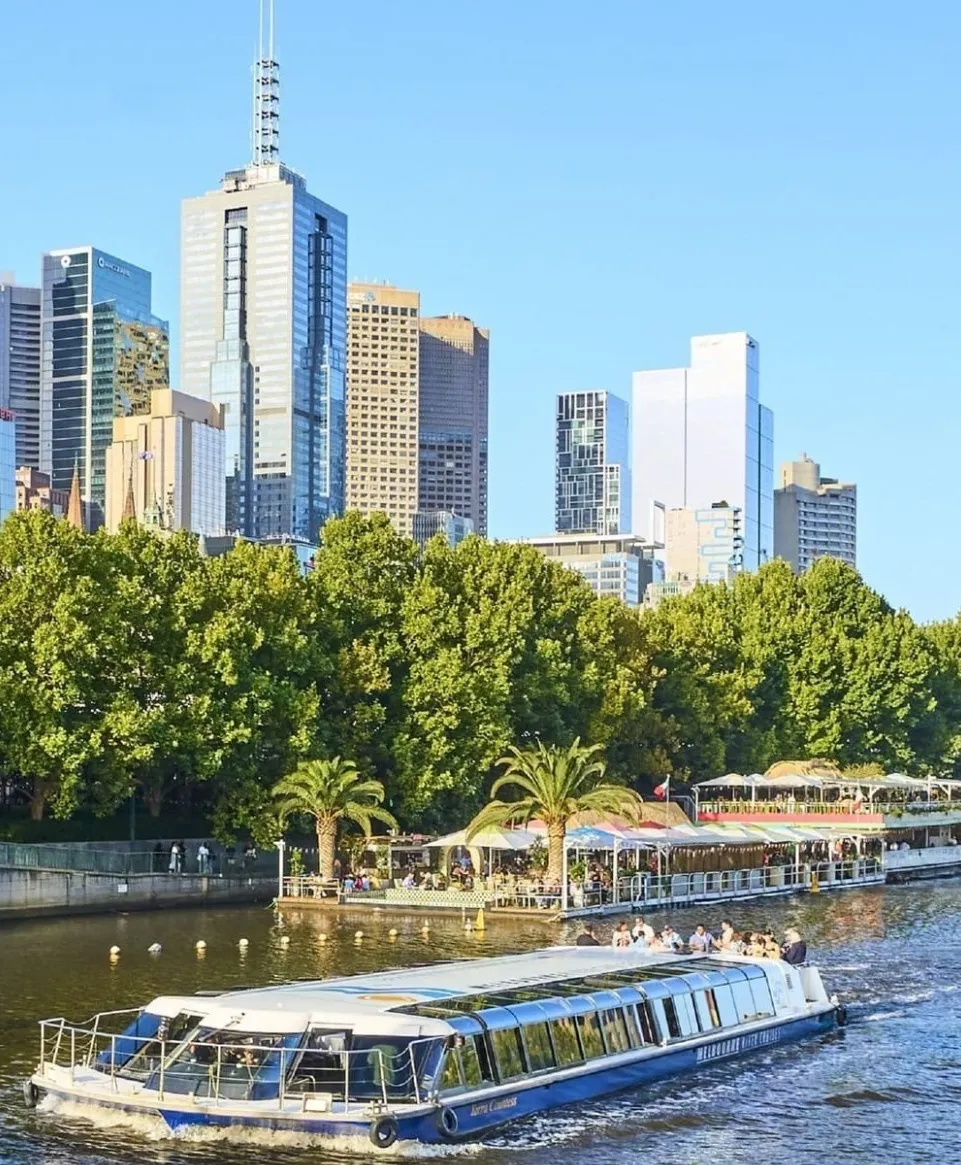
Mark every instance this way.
x=129 y=663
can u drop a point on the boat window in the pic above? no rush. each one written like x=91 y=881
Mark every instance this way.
x=450 y=1077
x=633 y=1030
x=470 y=1062
x=743 y=999
x=671 y=1022
x=140 y=1056
x=761 y=990
x=707 y=1011
x=565 y=1041
x=590 y=1032
x=229 y=1064
x=383 y=1063
x=686 y=1015
x=727 y=1010
x=508 y=1054
x=321 y=1067
x=615 y=1030
x=646 y=1018
x=537 y=1040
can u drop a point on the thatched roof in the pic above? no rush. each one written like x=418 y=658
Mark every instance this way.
x=818 y=767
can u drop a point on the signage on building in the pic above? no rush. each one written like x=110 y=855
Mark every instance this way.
x=109 y=265
x=7 y=415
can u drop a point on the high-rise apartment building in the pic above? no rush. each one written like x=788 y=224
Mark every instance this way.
x=20 y=365
x=166 y=468
x=814 y=516
x=382 y=402
x=263 y=331
x=701 y=434
x=705 y=544
x=103 y=354
x=592 y=485
x=454 y=359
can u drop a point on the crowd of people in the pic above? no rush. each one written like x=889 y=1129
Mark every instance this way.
x=758 y=944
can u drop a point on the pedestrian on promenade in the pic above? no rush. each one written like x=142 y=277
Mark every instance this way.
x=203 y=859
x=173 y=866
x=182 y=865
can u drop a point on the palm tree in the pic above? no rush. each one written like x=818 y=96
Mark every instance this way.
x=331 y=791
x=556 y=783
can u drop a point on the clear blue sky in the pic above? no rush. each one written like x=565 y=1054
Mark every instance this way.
x=594 y=182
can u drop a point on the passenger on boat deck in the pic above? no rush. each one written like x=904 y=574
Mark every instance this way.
x=795 y=949
x=586 y=938
x=727 y=938
x=621 y=938
x=642 y=932
x=701 y=940
x=667 y=940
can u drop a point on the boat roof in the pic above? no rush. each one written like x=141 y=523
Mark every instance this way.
x=286 y=1006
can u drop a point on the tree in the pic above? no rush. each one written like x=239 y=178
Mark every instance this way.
x=555 y=783
x=331 y=791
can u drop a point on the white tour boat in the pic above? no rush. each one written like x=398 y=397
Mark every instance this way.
x=434 y=1054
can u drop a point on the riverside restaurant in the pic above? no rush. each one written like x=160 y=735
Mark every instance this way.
x=609 y=866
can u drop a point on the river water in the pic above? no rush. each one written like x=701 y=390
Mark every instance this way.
x=887 y=1088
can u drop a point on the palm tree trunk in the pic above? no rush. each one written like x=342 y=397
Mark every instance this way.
x=555 y=851
x=326 y=847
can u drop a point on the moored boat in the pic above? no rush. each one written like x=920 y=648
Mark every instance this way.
x=433 y=1054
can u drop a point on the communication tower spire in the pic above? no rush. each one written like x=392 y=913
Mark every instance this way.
x=266 y=128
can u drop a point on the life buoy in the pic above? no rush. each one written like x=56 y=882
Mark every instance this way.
x=383 y=1131
x=447 y=1122
x=31 y=1093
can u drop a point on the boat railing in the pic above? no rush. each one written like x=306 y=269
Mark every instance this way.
x=215 y=1071
x=848 y=807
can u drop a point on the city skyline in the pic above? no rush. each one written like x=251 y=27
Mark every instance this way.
x=798 y=265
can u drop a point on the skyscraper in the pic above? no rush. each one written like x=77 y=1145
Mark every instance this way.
x=454 y=356
x=701 y=435
x=103 y=354
x=814 y=516
x=382 y=402
x=20 y=365
x=705 y=544
x=592 y=492
x=263 y=330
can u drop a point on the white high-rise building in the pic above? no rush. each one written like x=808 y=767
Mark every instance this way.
x=700 y=436
x=264 y=329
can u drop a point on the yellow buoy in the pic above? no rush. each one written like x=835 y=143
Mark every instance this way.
x=815 y=884
x=480 y=924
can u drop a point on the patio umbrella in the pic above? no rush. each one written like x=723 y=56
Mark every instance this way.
x=491 y=838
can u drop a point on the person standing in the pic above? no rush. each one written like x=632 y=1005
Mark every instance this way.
x=700 y=941
x=621 y=938
x=795 y=949
x=203 y=859
x=173 y=866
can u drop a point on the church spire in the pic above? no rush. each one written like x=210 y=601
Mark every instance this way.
x=129 y=503
x=75 y=504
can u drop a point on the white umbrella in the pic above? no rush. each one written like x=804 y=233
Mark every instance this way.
x=493 y=837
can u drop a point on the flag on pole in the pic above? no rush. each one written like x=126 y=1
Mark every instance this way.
x=661 y=791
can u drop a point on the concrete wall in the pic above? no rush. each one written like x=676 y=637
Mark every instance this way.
x=29 y=893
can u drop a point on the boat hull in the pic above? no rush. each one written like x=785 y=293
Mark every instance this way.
x=476 y=1114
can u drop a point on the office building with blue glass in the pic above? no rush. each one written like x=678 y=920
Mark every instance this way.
x=592 y=478
x=102 y=354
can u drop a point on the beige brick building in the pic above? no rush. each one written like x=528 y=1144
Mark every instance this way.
x=383 y=365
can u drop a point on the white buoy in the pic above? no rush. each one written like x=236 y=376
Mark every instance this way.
x=154 y=949
x=284 y=940
x=115 y=951
x=244 y=942
x=468 y=925
x=322 y=937
x=392 y=932
x=201 y=945
x=358 y=934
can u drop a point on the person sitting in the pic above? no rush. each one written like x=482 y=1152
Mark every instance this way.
x=410 y=881
x=621 y=938
x=795 y=949
x=587 y=937
x=668 y=940
x=642 y=932
x=701 y=940
x=726 y=940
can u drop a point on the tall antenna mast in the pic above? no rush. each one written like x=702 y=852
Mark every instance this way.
x=266 y=95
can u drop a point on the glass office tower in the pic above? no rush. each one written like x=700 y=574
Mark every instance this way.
x=20 y=366
x=263 y=333
x=592 y=478
x=701 y=436
x=102 y=354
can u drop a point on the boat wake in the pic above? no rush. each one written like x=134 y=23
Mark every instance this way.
x=154 y=1128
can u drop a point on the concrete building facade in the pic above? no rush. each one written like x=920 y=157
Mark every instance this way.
x=454 y=363
x=166 y=469
x=20 y=364
x=383 y=402
x=34 y=492
x=592 y=484
x=700 y=433
x=814 y=516
x=705 y=544
x=103 y=353
x=614 y=566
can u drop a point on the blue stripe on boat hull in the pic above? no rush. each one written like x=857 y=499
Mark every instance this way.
x=474 y=1117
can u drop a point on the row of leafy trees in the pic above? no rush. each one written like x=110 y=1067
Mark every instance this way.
x=130 y=662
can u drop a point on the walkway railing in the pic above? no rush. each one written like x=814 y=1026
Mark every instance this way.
x=848 y=807
x=88 y=860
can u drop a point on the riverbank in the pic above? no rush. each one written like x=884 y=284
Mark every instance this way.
x=32 y=893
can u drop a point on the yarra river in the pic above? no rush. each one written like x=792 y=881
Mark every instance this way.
x=887 y=1088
